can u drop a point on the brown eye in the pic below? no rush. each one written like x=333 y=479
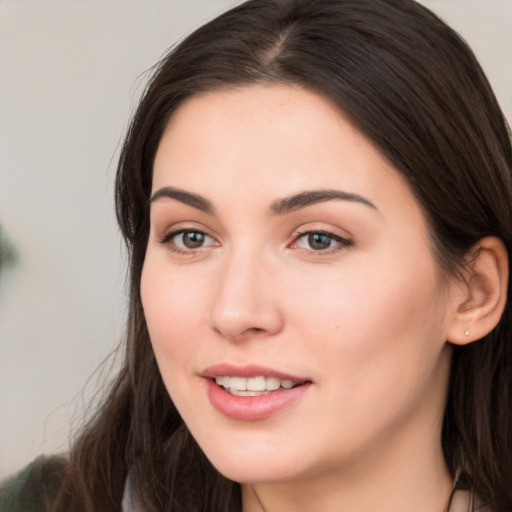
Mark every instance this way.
x=187 y=240
x=318 y=241
x=192 y=239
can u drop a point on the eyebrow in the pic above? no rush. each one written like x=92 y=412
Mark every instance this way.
x=309 y=197
x=278 y=207
x=188 y=198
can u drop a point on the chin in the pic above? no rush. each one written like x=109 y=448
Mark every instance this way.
x=253 y=473
x=257 y=465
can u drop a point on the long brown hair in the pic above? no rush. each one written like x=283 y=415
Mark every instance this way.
x=413 y=87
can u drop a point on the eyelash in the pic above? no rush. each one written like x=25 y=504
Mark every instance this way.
x=341 y=243
x=169 y=239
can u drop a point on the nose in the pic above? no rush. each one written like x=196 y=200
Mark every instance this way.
x=246 y=305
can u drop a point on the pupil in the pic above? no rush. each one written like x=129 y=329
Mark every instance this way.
x=318 y=241
x=193 y=240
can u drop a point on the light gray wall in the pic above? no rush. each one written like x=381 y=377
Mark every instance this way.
x=70 y=73
x=487 y=26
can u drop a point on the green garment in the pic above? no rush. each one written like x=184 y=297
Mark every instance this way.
x=32 y=489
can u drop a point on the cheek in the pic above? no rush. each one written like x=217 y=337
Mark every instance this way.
x=172 y=308
x=375 y=321
x=377 y=343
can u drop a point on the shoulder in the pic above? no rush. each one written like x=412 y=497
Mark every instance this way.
x=32 y=489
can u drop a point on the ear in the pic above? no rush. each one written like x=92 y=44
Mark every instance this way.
x=481 y=299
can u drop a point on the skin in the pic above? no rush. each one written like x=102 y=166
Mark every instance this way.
x=366 y=321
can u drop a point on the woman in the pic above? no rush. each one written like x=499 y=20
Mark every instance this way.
x=316 y=197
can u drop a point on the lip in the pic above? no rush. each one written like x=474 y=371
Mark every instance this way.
x=252 y=408
x=251 y=370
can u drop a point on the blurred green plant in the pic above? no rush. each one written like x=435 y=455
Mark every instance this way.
x=8 y=254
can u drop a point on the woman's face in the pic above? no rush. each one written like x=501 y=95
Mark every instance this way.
x=287 y=256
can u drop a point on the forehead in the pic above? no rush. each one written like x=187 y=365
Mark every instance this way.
x=284 y=131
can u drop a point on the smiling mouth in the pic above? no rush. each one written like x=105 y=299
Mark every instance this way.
x=254 y=386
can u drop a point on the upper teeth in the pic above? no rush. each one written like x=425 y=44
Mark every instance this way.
x=253 y=383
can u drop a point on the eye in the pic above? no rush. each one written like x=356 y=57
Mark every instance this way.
x=187 y=240
x=320 y=241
